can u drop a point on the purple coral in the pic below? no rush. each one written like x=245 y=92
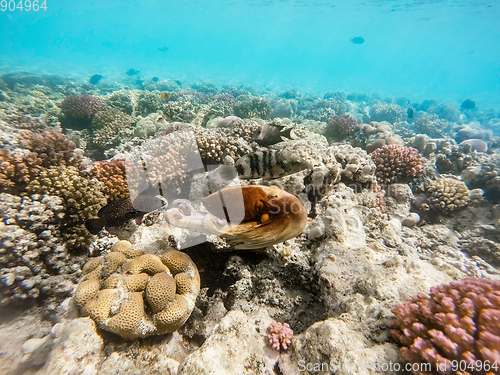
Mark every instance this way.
x=279 y=335
x=396 y=163
x=81 y=107
x=458 y=323
x=339 y=127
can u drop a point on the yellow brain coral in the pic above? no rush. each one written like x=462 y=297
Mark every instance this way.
x=135 y=295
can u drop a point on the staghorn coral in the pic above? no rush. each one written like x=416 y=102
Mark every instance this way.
x=279 y=335
x=82 y=199
x=339 y=127
x=387 y=112
x=78 y=110
x=108 y=126
x=111 y=174
x=247 y=106
x=138 y=296
x=456 y=322
x=447 y=194
x=396 y=163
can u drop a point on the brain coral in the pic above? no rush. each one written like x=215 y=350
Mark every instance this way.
x=396 y=163
x=446 y=194
x=136 y=295
x=82 y=198
x=456 y=325
x=111 y=174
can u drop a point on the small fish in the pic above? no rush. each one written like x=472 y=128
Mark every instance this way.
x=163 y=49
x=358 y=40
x=269 y=134
x=468 y=104
x=155 y=79
x=410 y=111
x=475 y=144
x=178 y=82
x=265 y=164
x=165 y=96
x=95 y=79
x=492 y=193
x=132 y=72
x=119 y=212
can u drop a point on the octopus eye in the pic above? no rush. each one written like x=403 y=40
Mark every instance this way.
x=264 y=218
x=259 y=205
x=272 y=196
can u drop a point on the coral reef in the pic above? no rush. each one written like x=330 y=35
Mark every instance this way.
x=82 y=198
x=279 y=335
x=111 y=291
x=447 y=195
x=397 y=163
x=321 y=109
x=456 y=324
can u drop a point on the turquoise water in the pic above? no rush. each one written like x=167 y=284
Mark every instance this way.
x=447 y=50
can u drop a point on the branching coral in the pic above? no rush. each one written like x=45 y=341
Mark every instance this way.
x=111 y=174
x=446 y=194
x=279 y=335
x=136 y=295
x=215 y=145
x=457 y=326
x=397 y=163
x=39 y=151
x=82 y=199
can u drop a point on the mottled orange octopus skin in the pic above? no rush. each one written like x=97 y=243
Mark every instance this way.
x=259 y=216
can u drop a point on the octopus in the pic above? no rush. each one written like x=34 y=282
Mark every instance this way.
x=249 y=217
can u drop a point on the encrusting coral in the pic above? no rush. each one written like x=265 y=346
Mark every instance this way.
x=455 y=327
x=396 y=163
x=136 y=295
x=447 y=194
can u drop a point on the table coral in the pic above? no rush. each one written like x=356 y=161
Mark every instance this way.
x=447 y=194
x=455 y=325
x=396 y=163
x=135 y=295
x=82 y=199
